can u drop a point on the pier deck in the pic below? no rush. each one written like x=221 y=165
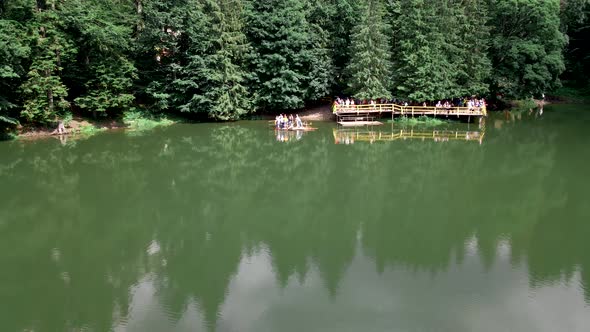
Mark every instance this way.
x=343 y=113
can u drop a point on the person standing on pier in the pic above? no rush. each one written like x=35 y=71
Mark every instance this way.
x=278 y=121
x=298 y=121
x=335 y=106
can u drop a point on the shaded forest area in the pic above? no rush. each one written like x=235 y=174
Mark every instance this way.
x=223 y=59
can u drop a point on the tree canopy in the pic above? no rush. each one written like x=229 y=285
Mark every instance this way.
x=223 y=59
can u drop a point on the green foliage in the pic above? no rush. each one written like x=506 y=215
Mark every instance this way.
x=370 y=66
x=422 y=70
x=419 y=121
x=576 y=24
x=571 y=94
x=67 y=118
x=469 y=47
x=225 y=59
x=174 y=50
x=7 y=136
x=89 y=130
x=141 y=121
x=44 y=91
x=288 y=62
x=103 y=72
x=13 y=52
x=441 y=49
x=526 y=47
x=227 y=95
x=109 y=88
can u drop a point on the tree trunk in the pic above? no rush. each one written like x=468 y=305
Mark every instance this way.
x=139 y=9
x=49 y=93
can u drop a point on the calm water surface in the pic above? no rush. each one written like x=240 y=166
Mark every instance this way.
x=227 y=227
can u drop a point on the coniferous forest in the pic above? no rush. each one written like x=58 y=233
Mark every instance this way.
x=223 y=59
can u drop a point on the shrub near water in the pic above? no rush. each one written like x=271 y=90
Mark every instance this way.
x=140 y=121
x=90 y=130
x=524 y=104
x=423 y=120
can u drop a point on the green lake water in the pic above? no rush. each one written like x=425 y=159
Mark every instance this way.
x=231 y=227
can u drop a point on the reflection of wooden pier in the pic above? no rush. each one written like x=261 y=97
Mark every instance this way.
x=346 y=115
x=350 y=136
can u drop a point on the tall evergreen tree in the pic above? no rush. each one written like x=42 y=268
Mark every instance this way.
x=227 y=95
x=422 y=67
x=344 y=16
x=14 y=50
x=44 y=91
x=173 y=45
x=321 y=60
x=102 y=76
x=285 y=63
x=369 y=69
x=473 y=62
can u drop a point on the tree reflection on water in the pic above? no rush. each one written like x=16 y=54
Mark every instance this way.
x=77 y=221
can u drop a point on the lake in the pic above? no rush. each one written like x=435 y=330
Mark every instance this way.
x=233 y=227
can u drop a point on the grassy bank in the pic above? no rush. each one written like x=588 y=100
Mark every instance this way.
x=419 y=121
x=572 y=95
x=141 y=121
x=82 y=126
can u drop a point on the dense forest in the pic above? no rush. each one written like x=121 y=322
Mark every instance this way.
x=223 y=59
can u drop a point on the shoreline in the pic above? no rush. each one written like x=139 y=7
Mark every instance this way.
x=76 y=127
x=80 y=126
x=85 y=127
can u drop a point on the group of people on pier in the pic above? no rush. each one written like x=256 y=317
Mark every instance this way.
x=472 y=103
x=282 y=121
x=350 y=103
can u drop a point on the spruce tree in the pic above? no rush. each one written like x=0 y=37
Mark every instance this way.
x=226 y=92
x=473 y=65
x=321 y=77
x=102 y=76
x=44 y=91
x=172 y=46
x=344 y=16
x=422 y=68
x=287 y=66
x=14 y=50
x=369 y=69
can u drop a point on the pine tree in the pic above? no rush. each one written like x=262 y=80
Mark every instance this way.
x=288 y=64
x=173 y=44
x=422 y=68
x=321 y=77
x=226 y=92
x=369 y=69
x=343 y=17
x=44 y=91
x=472 y=63
x=14 y=50
x=103 y=72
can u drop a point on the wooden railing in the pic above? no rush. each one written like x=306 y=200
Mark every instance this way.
x=409 y=110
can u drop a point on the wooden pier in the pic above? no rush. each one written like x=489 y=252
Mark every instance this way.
x=359 y=114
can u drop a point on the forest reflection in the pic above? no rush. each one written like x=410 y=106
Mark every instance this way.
x=84 y=224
